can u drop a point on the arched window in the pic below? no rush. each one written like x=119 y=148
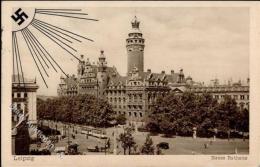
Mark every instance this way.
x=135 y=114
x=141 y=114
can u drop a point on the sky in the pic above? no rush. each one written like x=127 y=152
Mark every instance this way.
x=206 y=42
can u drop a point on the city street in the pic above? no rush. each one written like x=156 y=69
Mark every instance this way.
x=177 y=145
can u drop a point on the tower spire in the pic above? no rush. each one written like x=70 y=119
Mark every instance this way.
x=135 y=47
x=135 y=23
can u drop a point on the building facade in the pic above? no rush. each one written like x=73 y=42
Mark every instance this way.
x=133 y=94
x=23 y=113
x=237 y=91
x=24 y=99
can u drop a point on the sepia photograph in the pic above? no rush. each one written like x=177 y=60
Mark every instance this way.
x=129 y=80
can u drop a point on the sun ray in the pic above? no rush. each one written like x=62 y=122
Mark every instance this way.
x=17 y=61
x=61 y=15
x=19 y=57
x=57 y=43
x=13 y=53
x=65 y=30
x=35 y=42
x=30 y=44
x=57 y=30
x=59 y=9
x=47 y=52
x=52 y=31
x=58 y=12
x=34 y=59
x=50 y=36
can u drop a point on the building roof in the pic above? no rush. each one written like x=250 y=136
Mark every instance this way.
x=170 y=78
x=219 y=88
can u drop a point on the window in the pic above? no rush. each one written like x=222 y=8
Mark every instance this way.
x=25 y=95
x=18 y=106
x=141 y=114
x=242 y=97
x=18 y=95
x=135 y=114
x=12 y=95
x=247 y=97
x=141 y=96
x=235 y=97
x=129 y=113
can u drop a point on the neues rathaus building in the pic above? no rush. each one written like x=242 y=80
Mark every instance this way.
x=134 y=94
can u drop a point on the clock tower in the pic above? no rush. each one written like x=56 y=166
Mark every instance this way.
x=135 y=48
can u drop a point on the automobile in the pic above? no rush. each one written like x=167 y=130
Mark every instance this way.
x=60 y=150
x=93 y=149
x=163 y=145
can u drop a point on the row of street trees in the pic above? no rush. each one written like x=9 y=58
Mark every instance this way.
x=180 y=114
x=80 y=109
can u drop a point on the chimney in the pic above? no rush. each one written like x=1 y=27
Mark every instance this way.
x=163 y=72
x=149 y=70
x=248 y=80
x=172 y=72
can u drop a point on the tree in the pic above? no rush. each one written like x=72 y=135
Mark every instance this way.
x=227 y=114
x=120 y=119
x=127 y=140
x=179 y=114
x=80 y=109
x=243 y=120
x=148 y=147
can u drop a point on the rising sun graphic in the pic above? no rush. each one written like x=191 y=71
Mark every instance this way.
x=24 y=20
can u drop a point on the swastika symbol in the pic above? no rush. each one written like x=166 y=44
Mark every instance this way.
x=19 y=16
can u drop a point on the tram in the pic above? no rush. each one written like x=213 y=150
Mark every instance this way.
x=98 y=133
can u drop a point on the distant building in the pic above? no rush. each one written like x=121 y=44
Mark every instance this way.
x=237 y=91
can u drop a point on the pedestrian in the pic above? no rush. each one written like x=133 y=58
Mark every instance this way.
x=206 y=145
